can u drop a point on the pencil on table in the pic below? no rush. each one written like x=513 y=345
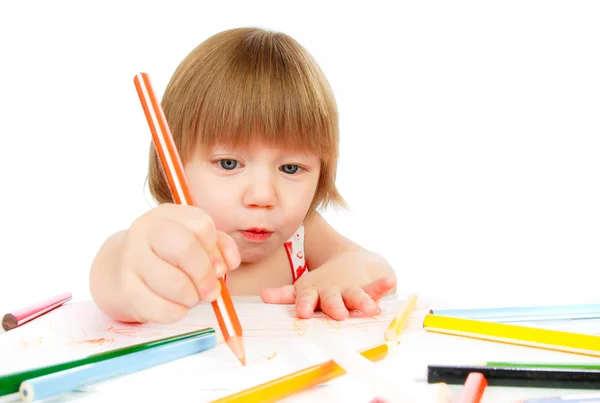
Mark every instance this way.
x=352 y=363
x=578 y=343
x=547 y=365
x=473 y=388
x=277 y=389
x=17 y=318
x=392 y=334
x=517 y=377
x=580 y=398
x=54 y=384
x=366 y=371
x=166 y=149
x=10 y=383
x=442 y=393
x=524 y=313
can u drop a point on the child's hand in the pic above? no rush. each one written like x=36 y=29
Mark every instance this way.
x=335 y=289
x=170 y=262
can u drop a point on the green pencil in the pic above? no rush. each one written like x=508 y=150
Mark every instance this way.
x=548 y=365
x=10 y=383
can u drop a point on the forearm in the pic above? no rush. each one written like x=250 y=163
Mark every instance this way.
x=104 y=279
x=372 y=264
x=361 y=267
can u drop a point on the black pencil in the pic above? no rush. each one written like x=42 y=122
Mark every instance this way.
x=517 y=377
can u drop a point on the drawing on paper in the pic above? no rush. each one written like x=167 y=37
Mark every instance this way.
x=81 y=325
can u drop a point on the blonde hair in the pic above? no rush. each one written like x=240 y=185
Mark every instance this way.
x=249 y=84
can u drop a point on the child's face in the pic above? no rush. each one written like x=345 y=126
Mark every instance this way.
x=258 y=195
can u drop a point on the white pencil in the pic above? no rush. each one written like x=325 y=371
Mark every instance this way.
x=353 y=363
x=365 y=371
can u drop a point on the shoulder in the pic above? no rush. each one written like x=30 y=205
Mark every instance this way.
x=322 y=241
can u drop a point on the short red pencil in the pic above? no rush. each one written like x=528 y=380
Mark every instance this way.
x=473 y=388
x=17 y=318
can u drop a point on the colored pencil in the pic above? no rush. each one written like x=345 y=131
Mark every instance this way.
x=392 y=333
x=166 y=149
x=551 y=365
x=517 y=377
x=579 y=398
x=17 y=318
x=296 y=382
x=524 y=313
x=10 y=383
x=442 y=393
x=352 y=362
x=585 y=344
x=57 y=383
x=473 y=388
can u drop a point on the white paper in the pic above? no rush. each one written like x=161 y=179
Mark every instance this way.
x=274 y=346
x=273 y=338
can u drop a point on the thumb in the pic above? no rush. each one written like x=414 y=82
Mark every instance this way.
x=279 y=295
x=229 y=250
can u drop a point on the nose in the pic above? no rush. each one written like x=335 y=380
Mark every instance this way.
x=261 y=191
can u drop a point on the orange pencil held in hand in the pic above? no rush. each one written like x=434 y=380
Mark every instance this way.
x=229 y=322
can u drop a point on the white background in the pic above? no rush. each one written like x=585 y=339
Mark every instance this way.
x=470 y=135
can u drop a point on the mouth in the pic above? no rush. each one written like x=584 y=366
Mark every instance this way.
x=256 y=234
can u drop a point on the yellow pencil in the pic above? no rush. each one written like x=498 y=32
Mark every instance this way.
x=585 y=344
x=288 y=385
x=392 y=334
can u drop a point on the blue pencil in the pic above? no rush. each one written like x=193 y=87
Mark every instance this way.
x=592 y=398
x=75 y=378
x=525 y=313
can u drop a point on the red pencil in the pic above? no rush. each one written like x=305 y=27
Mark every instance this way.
x=473 y=388
x=173 y=169
x=17 y=318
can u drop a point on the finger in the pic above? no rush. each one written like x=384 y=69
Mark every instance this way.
x=230 y=251
x=146 y=306
x=178 y=246
x=356 y=299
x=306 y=302
x=168 y=282
x=332 y=303
x=194 y=219
x=381 y=287
x=279 y=295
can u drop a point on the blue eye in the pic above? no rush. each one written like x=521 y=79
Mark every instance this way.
x=290 y=169
x=228 y=164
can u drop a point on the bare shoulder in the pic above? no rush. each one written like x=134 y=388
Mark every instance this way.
x=322 y=241
x=115 y=240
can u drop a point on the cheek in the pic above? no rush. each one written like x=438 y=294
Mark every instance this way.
x=217 y=209
x=298 y=200
x=217 y=204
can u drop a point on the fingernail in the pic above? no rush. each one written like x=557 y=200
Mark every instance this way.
x=220 y=268
x=214 y=293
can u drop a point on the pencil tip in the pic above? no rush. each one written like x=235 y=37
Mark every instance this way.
x=237 y=346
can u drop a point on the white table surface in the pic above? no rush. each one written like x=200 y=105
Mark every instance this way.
x=408 y=361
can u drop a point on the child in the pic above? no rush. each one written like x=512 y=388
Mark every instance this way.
x=256 y=126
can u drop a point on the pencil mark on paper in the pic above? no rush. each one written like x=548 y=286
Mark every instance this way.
x=259 y=321
x=100 y=341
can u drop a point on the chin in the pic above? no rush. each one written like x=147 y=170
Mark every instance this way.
x=255 y=254
x=252 y=256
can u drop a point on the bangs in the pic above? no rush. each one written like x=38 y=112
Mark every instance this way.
x=267 y=91
x=245 y=86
